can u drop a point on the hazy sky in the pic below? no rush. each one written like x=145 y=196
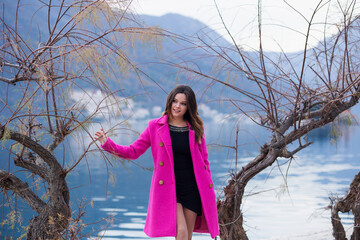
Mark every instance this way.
x=282 y=24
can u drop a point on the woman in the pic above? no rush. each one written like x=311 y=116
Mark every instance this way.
x=182 y=197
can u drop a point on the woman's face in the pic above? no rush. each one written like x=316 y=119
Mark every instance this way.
x=179 y=106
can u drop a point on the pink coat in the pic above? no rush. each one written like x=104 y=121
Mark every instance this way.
x=161 y=215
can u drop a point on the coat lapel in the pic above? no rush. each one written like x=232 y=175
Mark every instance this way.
x=164 y=134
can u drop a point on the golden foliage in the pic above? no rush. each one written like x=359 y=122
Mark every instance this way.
x=341 y=124
x=146 y=36
x=87 y=14
x=60 y=216
x=44 y=197
x=99 y=12
x=23 y=236
x=51 y=220
x=121 y=61
x=12 y=219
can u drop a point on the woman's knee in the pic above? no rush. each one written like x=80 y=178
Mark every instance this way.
x=181 y=226
x=182 y=232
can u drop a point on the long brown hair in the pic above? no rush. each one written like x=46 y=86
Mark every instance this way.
x=191 y=114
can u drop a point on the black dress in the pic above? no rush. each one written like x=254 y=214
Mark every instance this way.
x=187 y=192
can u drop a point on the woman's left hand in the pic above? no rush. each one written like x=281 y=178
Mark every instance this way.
x=101 y=136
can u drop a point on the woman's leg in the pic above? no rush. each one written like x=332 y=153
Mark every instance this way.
x=190 y=218
x=181 y=226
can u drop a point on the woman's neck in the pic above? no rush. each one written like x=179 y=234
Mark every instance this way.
x=178 y=122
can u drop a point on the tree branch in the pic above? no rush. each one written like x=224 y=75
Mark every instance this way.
x=10 y=182
x=328 y=114
x=34 y=146
x=291 y=154
x=4 y=64
x=34 y=168
x=13 y=81
x=64 y=129
x=57 y=140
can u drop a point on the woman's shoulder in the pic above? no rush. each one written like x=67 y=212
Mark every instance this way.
x=153 y=121
x=160 y=120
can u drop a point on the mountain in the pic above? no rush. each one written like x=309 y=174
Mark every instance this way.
x=159 y=62
x=183 y=25
x=188 y=53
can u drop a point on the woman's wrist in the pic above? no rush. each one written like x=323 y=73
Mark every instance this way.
x=103 y=141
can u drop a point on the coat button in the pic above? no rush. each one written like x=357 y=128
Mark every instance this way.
x=211 y=185
x=161 y=144
x=161 y=182
x=161 y=163
x=205 y=167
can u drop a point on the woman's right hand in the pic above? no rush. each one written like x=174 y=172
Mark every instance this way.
x=101 y=136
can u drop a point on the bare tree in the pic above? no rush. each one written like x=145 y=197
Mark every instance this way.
x=289 y=95
x=48 y=49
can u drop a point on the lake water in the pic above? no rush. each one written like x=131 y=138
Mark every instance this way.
x=273 y=208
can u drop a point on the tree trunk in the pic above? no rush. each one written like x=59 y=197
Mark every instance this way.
x=355 y=187
x=229 y=208
x=54 y=218
x=351 y=202
x=338 y=229
x=230 y=216
x=356 y=212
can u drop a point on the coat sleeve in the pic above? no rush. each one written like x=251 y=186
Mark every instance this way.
x=204 y=151
x=133 y=151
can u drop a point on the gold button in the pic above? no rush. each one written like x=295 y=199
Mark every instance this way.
x=205 y=167
x=161 y=182
x=161 y=144
x=161 y=163
x=211 y=185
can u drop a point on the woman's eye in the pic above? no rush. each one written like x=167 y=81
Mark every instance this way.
x=184 y=104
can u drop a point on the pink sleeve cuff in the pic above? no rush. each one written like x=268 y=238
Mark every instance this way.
x=105 y=146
